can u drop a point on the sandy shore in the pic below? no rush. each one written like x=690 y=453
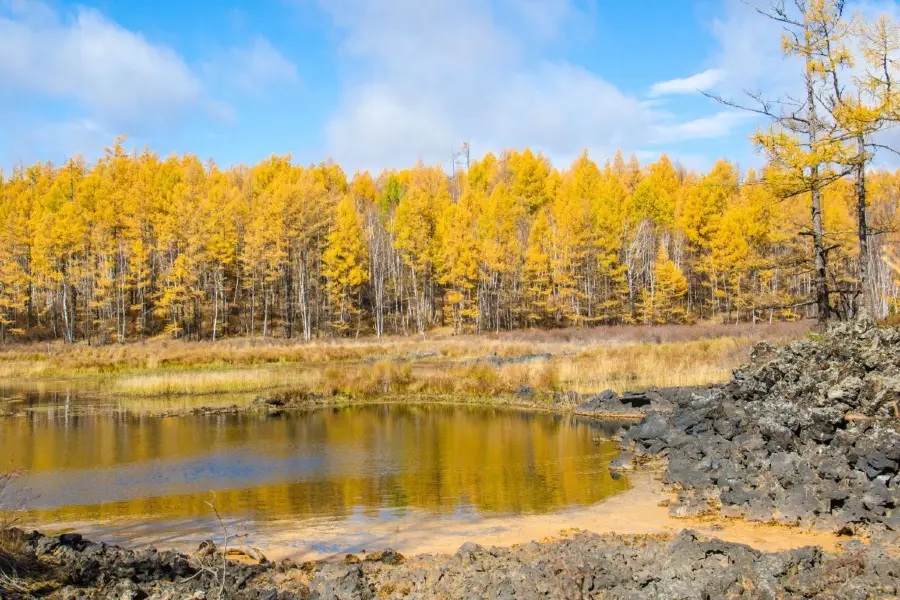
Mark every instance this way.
x=641 y=510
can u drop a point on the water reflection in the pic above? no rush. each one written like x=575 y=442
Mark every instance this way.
x=64 y=399
x=327 y=463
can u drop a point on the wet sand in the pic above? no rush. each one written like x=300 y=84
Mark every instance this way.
x=636 y=511
x=641 y=510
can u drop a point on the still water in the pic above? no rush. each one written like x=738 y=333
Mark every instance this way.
x=371 y=462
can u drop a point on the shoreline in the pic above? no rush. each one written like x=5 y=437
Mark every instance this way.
x=625 y=546
x=605 y=407
x=641 y=510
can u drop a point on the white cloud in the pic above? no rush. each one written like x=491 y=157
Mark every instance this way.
x=714 y=126
x=426 y=76
x=77 y=79
x=749 y=58
x=689 y=85
x=543 y=19
x=556 y=108
x=252 y=68
x=430 y=75
x=32 y=11
x=111 y=71
x=749 y=49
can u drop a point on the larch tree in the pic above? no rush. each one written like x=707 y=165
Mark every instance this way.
x=862 y=113
x=345 y=264
x=133 y=246
x=803 y=142
x=499 y=250
x=663 y=300
x=537 y=272
x=459 y=267
x=416 y=236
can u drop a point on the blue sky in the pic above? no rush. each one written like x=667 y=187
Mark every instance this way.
x=382 y=83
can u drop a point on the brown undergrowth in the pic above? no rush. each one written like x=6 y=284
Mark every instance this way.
x=21 y=574
x=582 y=360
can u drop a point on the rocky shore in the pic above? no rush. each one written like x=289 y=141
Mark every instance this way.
x=580 y=565
x=804 y=435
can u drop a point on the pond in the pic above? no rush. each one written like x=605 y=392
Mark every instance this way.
x=128 y=475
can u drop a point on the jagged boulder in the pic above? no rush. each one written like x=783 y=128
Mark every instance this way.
x=806 y=433
x=581 y=565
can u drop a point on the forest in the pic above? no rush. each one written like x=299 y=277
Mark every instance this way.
x=137 y=245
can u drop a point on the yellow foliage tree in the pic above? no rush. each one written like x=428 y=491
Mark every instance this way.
x=664 y=300
x=345 y=263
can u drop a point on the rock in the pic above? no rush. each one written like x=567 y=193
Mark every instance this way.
x=631 y=403
x=498 y=361
x=775 y=442
x=45 y=545
x=636 y=399
x=606 y=402
x=525 y=392
x=340 y=582
x=652 y=427
x=622 y=463
x=388 y=557
x=579 y=565
x=73 y=540
x=876 y=463
x=206 y=548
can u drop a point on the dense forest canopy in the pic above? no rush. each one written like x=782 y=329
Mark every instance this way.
x=135 y=245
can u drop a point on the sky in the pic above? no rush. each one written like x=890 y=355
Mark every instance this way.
x=377 y=84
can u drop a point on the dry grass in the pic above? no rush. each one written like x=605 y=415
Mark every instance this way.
x=58 y=359
x=584 y=360
x=469 y=380
x=20 y=572
x=201 y=383
x=631 y=366
x=670 y=364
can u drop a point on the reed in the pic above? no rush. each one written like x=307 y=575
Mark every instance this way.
x=583 y=360
x=188 y=383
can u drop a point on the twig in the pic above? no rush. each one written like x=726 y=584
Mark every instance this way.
x=212 y=504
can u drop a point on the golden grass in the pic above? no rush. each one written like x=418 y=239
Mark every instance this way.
x=641 y=366
x=188 y=383
x=476 y=379
x=584 y=360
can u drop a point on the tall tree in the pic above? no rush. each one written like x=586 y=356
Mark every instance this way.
x=802 y=142
x=345 y=263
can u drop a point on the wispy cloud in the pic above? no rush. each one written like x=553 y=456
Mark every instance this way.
x=75 y=79
x=689 y=85
x=714 y=126
x=252 y=68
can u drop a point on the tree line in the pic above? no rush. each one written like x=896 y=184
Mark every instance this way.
x=136 y=245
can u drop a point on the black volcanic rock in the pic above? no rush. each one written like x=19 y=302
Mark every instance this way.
x=807 y=433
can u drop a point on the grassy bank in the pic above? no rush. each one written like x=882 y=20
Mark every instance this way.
x=587 y=360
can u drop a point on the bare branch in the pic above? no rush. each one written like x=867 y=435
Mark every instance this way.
x=883 y=147
x=778 y=13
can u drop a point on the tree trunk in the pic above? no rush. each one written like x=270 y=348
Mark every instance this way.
x=821 y=258
x=288 y=310
x=863 y=227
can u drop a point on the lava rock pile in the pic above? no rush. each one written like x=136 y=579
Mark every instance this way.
x=807 y=434
x=581 y=565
